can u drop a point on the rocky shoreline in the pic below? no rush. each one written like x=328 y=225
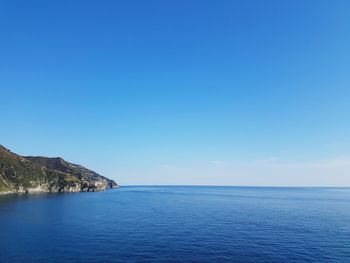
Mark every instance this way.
x=35 y=191
x=40 y=190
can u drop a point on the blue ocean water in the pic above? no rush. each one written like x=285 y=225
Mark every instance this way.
x=178 y=224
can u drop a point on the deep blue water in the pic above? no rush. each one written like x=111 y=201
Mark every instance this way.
x=178 y=224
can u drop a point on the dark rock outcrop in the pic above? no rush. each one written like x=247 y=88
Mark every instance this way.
x=20 y=174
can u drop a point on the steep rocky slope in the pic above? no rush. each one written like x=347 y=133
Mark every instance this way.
x=19 y=174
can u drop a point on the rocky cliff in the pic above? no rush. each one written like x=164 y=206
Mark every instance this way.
x=25 y=174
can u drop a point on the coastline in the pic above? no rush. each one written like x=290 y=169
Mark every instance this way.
x=42 y=191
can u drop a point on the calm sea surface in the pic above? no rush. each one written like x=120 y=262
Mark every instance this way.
x=178 y=224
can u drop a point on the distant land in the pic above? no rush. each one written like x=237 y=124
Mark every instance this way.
x=28 y=174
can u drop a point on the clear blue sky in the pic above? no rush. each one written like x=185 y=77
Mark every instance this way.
x=181 y=92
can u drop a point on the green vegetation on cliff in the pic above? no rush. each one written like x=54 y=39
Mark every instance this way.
x=43 y=174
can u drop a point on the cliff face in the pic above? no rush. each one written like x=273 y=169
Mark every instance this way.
x=19 y=174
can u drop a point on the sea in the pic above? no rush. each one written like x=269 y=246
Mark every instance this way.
x=178 y=224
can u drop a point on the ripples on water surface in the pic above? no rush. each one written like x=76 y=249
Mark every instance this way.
x=178 y=224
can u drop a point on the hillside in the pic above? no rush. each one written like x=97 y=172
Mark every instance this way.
x=24 y=174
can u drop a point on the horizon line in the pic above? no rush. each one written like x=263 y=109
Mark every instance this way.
x=247 y=186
